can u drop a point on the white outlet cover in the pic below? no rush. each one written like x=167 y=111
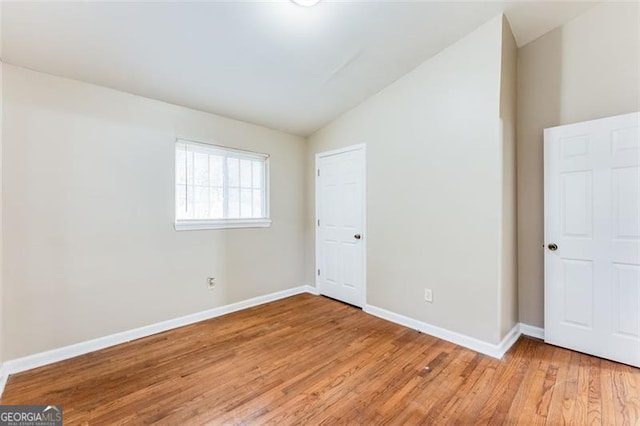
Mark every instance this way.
x=428 y=295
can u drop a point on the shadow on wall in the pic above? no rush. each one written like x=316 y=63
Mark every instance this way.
x=539 y=107
x=584 y=70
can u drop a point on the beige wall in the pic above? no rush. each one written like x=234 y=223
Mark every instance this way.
x=434 y=193
x=89 y=247
x=586 y=69
x=89 y=242
x=1 y=196
x=508 y=294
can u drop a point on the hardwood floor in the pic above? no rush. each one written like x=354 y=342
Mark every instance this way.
x=312 y=360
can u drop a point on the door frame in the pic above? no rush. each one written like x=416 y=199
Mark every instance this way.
x=546 y=215
x=359 y=147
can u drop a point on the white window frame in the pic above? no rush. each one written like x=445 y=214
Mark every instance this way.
x=202 y=224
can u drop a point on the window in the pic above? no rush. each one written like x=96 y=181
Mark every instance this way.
x=219 y=187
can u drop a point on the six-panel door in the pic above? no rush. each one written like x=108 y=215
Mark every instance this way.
x=592 y=215
x=340 y=225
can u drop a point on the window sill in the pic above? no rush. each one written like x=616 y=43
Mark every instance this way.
x=195 y=225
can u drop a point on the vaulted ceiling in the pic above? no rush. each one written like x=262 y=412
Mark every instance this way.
x=272 y=63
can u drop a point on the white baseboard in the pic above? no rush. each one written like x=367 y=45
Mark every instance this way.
x=43 y=358
x=493 y=350
x=313 y=290
x=530 y=330
x=508 y=341
x=55 y=355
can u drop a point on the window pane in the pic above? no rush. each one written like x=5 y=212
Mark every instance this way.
x=257 y=203
x=234 y=203
x=217 y=203
x=181 y=202
x=258 y=173
x=245 y=173
x=233 y=171
x=215 y=170
x=245 y=202
x=184 y=201
x=201 y=202
x=189 y=172
x=181 y=166
x=201 y=168
x=212 y=183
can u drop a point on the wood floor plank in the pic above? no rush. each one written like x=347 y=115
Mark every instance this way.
x=312 y=360
x=581 y=407
x=508 y=380
x=571 y=392
x=532 y=388
x=626 y=392
x=594 y=397
x=561 y=359
x=470 y=378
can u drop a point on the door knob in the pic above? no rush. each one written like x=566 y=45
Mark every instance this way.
x=553 y=247
x=357 y=236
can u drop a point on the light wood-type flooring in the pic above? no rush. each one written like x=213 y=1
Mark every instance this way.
x=312 y=360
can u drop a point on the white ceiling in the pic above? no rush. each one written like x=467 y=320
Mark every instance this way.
x=271 y=63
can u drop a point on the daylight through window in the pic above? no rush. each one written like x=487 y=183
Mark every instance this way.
x=218 y=187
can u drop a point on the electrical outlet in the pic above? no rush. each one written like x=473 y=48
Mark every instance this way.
x=428 y=295
x=211 y=283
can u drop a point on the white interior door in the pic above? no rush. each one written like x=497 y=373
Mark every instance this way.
x=592 y=237
x=340 y=224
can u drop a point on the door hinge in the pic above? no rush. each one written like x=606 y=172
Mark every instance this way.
x=318 y=222
x=318 y=172
x=318 y=272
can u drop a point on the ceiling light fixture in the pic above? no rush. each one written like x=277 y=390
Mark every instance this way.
x=306 y=3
